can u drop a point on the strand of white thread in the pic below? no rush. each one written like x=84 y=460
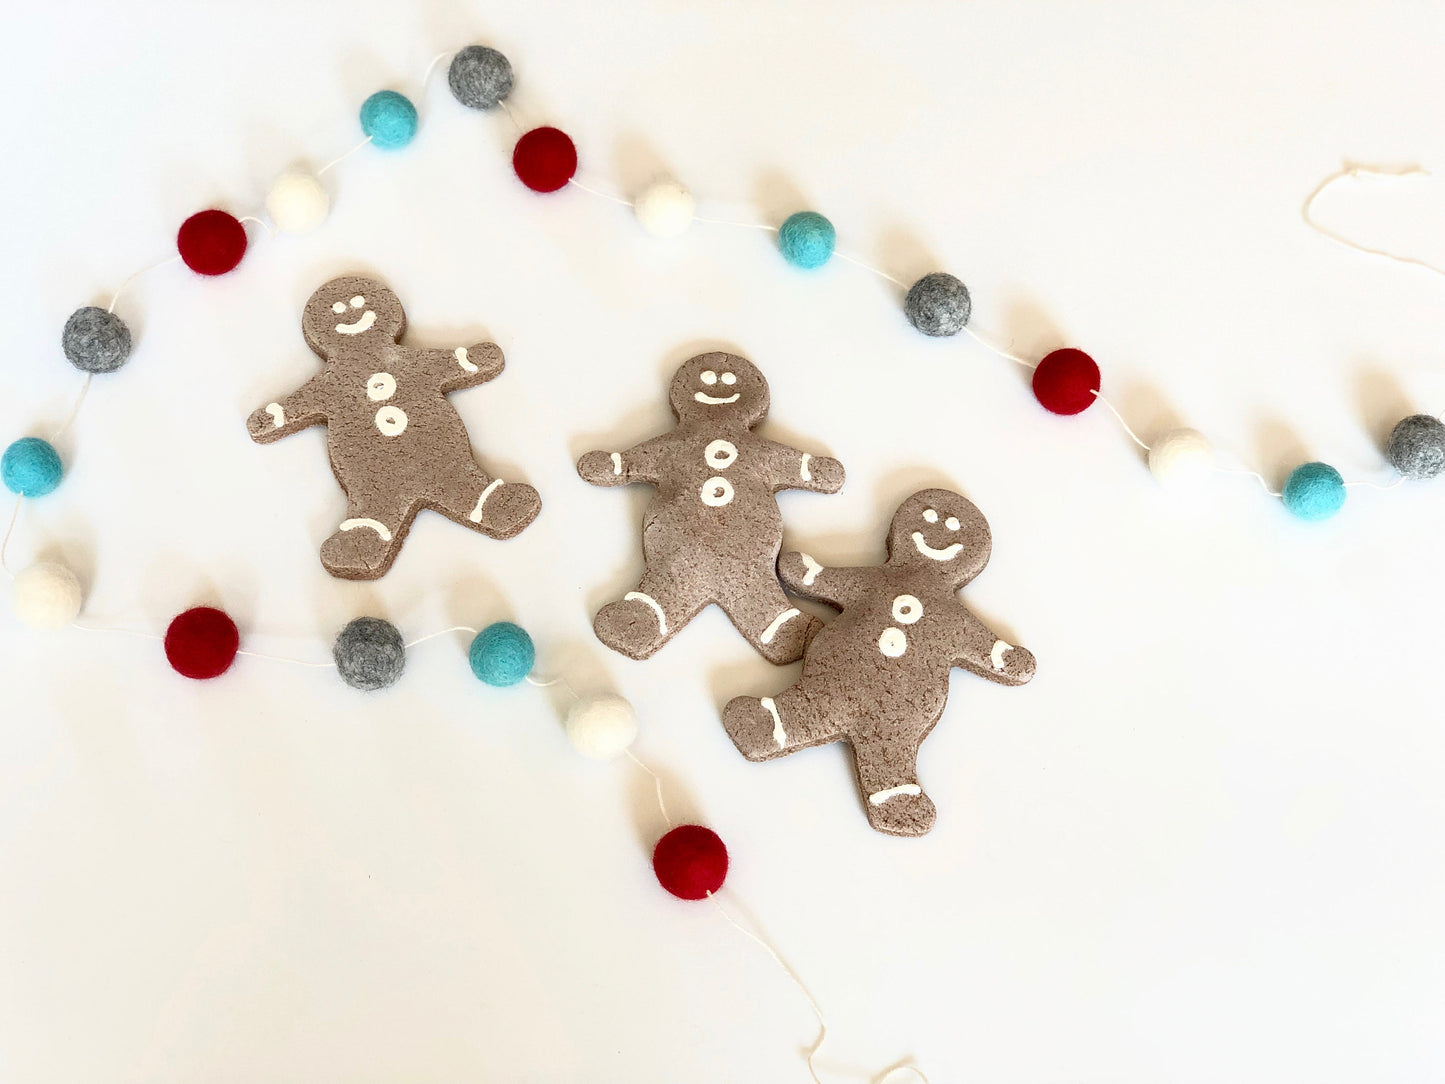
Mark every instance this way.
x=75 y=407
x=507 y=109
x=135 y=275
x=425 y=79
x=5 y=543
x=657 y=785
x=343 y=157
x=1355 y=172
x=1120 y=419
x=1245 y=472
x=270 y=232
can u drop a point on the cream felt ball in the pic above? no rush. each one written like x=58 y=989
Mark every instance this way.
x=1181 y=457
x=665 y=208
x=46 y=595
x=298 y=202
x=601 y=727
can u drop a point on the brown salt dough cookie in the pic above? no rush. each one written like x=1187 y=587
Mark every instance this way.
x=396 y=445
x=877 y=677
x=713 y=532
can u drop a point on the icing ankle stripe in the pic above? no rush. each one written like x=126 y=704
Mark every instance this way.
x=778 y=622
x=638 y=596
x=378 y=527
x=893 y=792
x=476 y=513
x=779 y=734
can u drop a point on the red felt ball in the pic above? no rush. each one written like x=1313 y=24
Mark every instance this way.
x=690 y=861
x=202 y=643
x=545 y=159
x=1065 y=381
x=211 y=242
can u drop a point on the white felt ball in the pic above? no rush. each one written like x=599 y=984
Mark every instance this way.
x=297 y=202
x=46 y=595
x=664 y=209
x=601 y=727
x=1181 y=457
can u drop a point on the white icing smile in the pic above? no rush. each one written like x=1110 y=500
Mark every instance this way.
x=948 y=553
x=703 y=397
x=356 y=327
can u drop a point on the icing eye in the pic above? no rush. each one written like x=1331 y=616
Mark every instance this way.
x=729 y=378
x=930 y=516
x=709 y=377
x=907 y=609
x=951 y=523
x=339 y=307
x=358 y=301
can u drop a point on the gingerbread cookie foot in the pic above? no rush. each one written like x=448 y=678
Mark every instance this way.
x=634 y=626
x=755 y=727
x=901 y=811
x=505 y=510
x=361 y=549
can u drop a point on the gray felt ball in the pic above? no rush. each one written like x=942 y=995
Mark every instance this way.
x=480 y=77
x=938 y=304
x=1417 y=447
x=369 y=654
x=95 y=341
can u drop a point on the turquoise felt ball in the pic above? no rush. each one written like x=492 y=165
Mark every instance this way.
x=389 y=119
x=806 y=239
x=502 y=654
x=30 y=467
x=1314 y=491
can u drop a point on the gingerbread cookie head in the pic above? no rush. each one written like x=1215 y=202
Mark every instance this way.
x=350 y=312
x=720 y=387
x=939 y=531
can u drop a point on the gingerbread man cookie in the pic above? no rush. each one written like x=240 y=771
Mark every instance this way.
x=877 y=677
x=396 y=445
x=713 y=532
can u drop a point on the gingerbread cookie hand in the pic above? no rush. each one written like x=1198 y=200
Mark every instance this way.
x=468 y=366
x=602 y=469
x=824 y=475
x=1010 y=665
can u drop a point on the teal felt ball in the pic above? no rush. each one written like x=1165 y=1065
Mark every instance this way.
x=806 y=240
x=388 y=119
x=1314 y=491
x=30 y=467
x=502 y=654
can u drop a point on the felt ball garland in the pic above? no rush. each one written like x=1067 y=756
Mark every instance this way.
x=389 y=120
x=31 y=467
x=545 y=159
x=690 y=861
x=211 y=242
x=1066 y=381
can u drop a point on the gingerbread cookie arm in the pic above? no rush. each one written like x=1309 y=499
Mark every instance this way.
x=979 y=651
x=303 y=408
x=642 y=463
x=839 y=587
x=464 y=367
x=792 y=469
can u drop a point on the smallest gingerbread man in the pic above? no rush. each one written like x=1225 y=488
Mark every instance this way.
x=877 y=676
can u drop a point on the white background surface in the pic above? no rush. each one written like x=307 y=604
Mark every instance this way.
x=1206 y=842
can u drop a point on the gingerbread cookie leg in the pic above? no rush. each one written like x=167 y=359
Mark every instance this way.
x=773 y=726
x=495 y=508
x=888 y=781
x=771 y=623
x=365 y=544
x=643 y=620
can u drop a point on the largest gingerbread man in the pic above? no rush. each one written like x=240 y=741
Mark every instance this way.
x=714 y=531
x=396 y=444
x=877 y=676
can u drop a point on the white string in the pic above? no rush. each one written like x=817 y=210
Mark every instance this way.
x=507 y=109
x=866 y=266
x=443 y=632
x=75 y=409
x=1354 y=173
x=1132 y=435
x=283 y=658
x=798 y=982
x=598 y=192
x=5 y=543
x=338 y=160
x=425 y=79
x=135 y=275
x=124 y=632
x=657 y=784
x=271 y=233
x=1264 y=484
x=544 y=683
x=1000 y=351
x=737 y=225
x=1378 y=485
